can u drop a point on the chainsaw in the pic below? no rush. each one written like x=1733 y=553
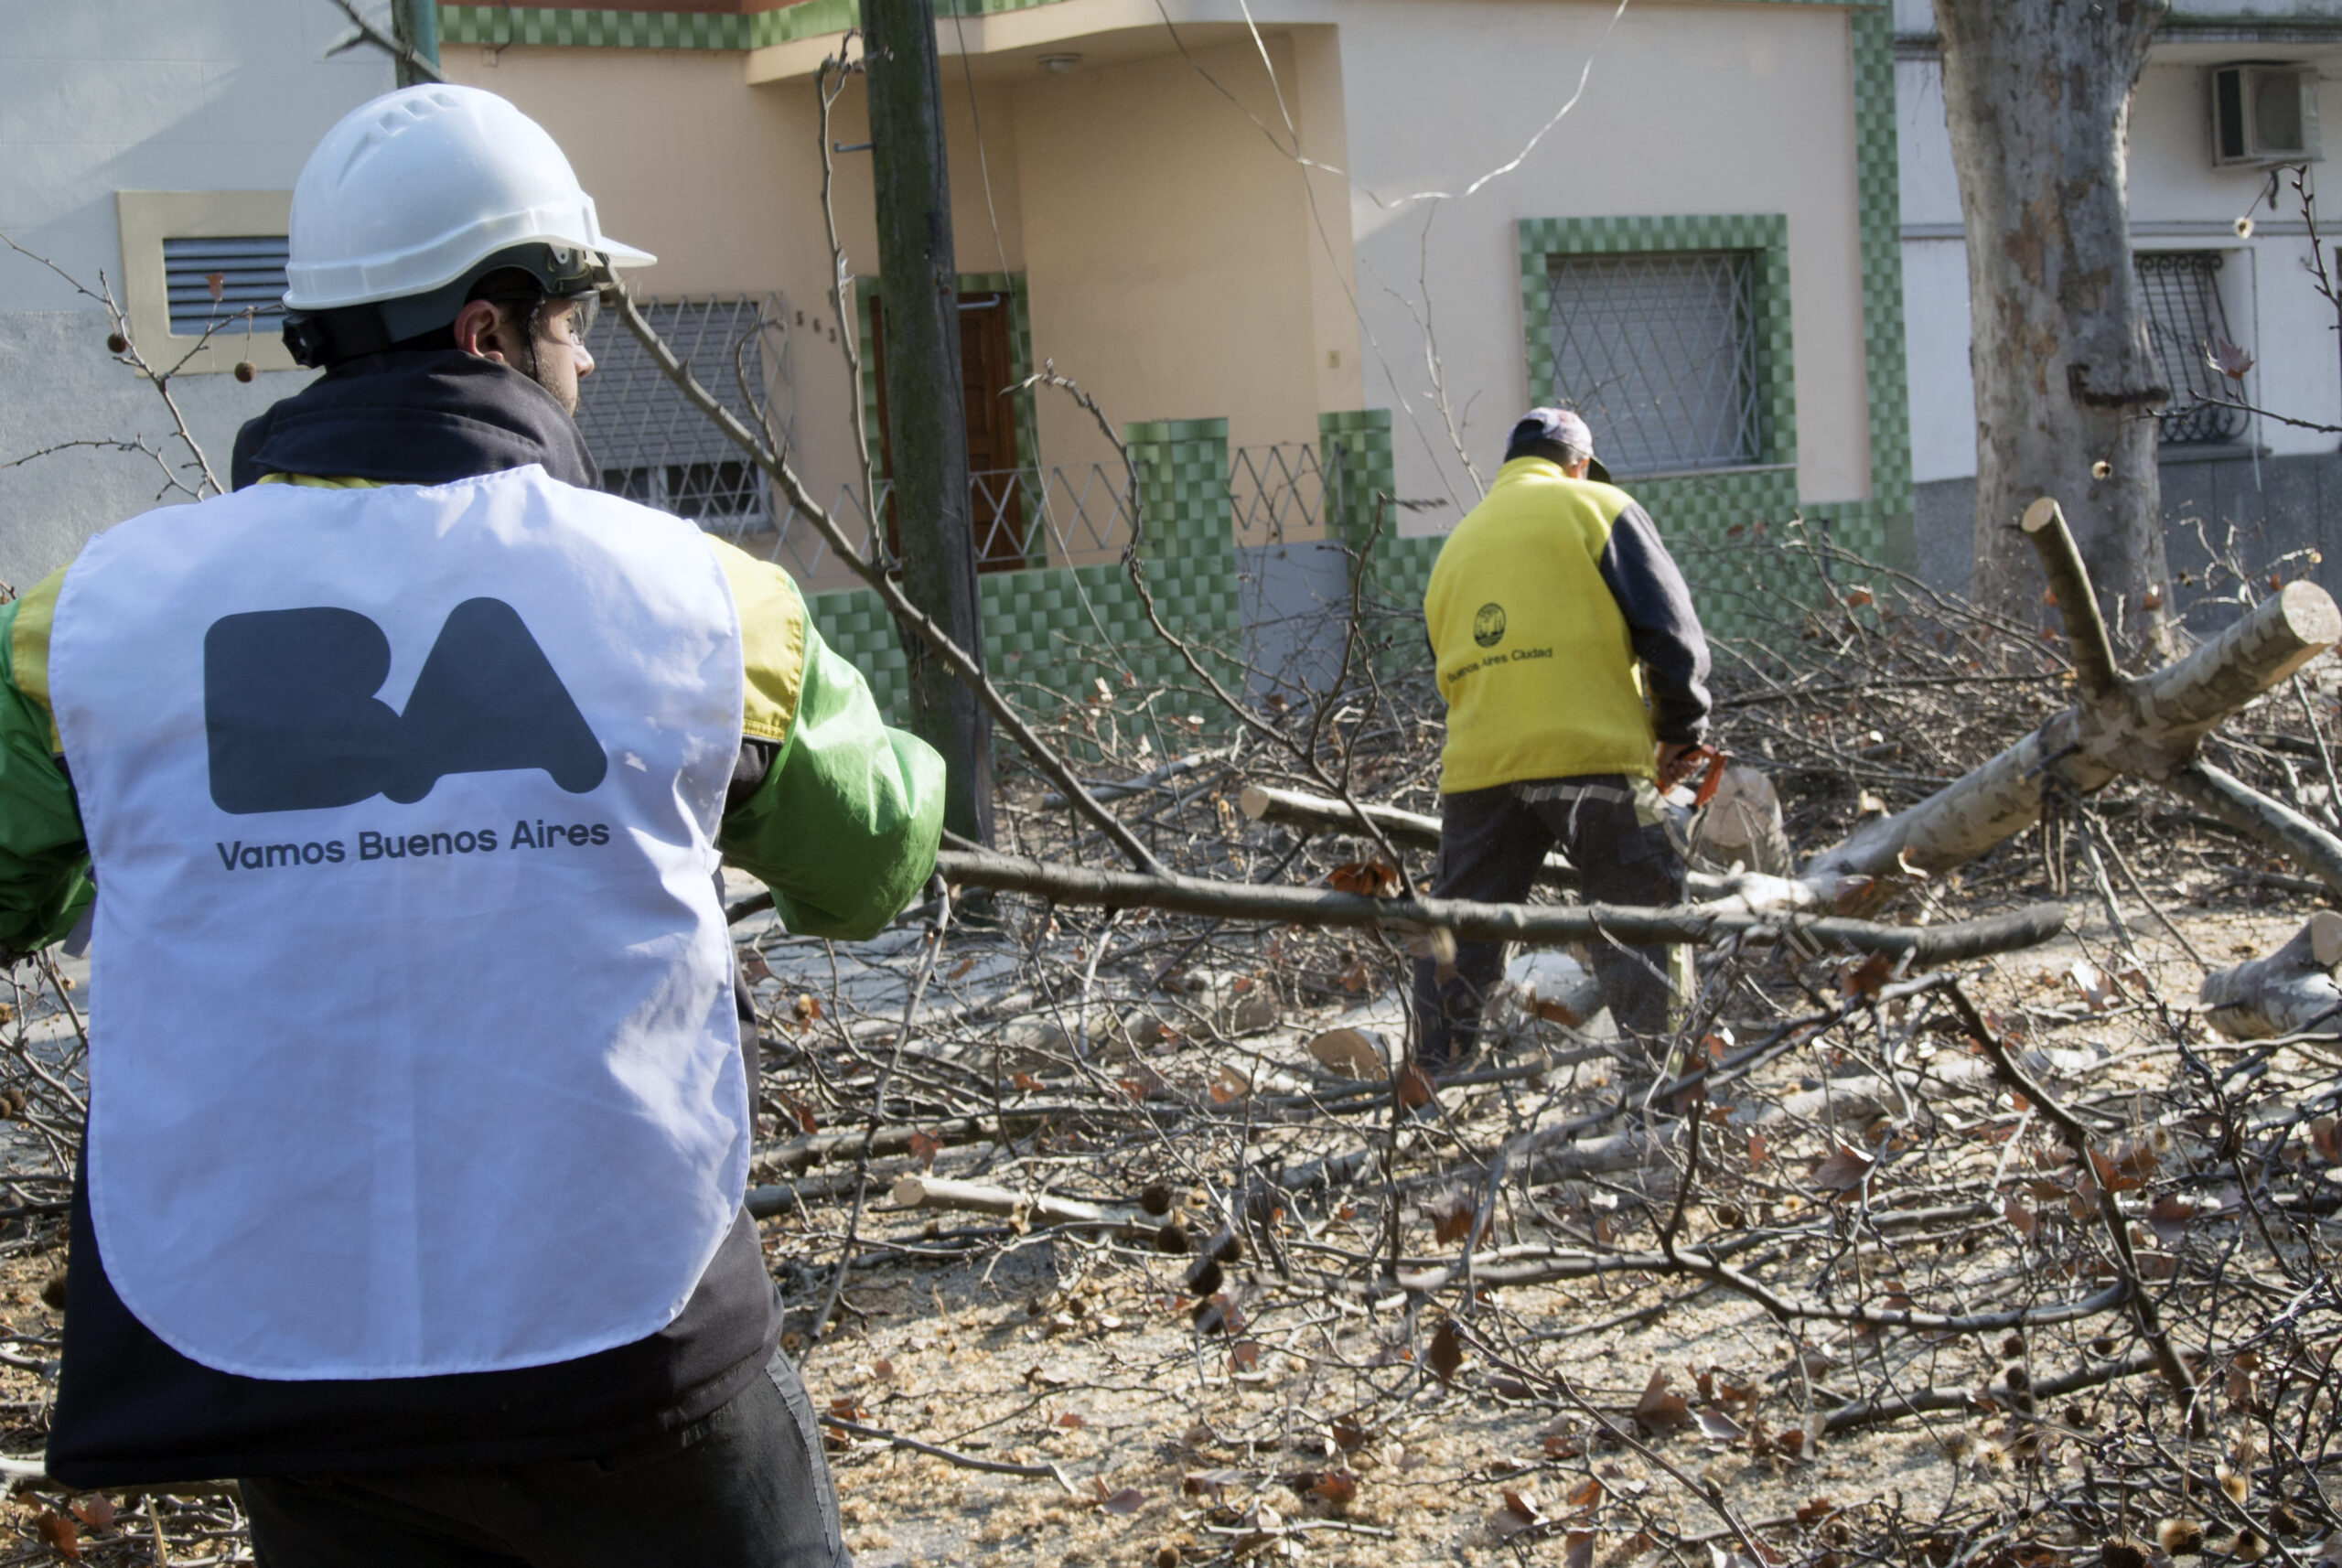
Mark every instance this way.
x=1703 y=762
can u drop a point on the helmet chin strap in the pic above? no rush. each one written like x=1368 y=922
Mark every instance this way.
x=323 y=338
x=527 y=330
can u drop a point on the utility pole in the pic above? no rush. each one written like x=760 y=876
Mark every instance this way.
x=415 y=24
x=927 y=420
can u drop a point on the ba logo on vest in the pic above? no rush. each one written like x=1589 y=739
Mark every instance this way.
x=294 y=725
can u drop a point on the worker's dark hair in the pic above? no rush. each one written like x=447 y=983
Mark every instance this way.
x=518 y=280
x=1538 y=446
x=516 y=292
x=519 y=298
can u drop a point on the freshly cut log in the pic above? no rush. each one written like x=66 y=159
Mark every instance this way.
x=1291 y=807
x=2260 y=818
x=1742 y=826
x=2290 y=992
x=2147 y=726
x=1548 y=985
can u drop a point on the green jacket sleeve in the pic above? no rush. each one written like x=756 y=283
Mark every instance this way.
x=44 y=863
x=844 y=827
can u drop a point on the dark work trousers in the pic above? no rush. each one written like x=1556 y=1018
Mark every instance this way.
x=746 y=1487
x=1491 y=843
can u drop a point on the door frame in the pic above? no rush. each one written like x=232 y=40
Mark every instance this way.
x=1023 y=404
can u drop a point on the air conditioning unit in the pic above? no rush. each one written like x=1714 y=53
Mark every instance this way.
x=2264 y=114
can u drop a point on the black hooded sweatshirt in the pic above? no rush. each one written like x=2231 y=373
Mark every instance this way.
x=130 y=1410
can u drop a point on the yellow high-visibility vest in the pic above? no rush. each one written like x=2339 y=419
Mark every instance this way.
x=1534 y=656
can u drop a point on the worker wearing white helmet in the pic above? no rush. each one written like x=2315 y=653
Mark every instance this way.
x=412 y=1193
x=409 y=204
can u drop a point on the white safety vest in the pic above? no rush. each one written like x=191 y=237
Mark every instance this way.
x=413 y=1048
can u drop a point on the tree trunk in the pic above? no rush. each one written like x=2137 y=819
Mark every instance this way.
x=2036 y=94
x=926 y=421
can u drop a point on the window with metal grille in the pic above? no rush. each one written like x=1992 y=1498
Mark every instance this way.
x=1658 y=349
x=212 y=282
x=2181 y=293
x=653 y=446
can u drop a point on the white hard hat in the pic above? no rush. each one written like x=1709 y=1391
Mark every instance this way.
x=419 y=191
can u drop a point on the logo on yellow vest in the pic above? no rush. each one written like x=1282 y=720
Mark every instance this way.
x=1487 y=627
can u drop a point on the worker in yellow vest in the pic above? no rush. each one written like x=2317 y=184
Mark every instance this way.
x=1575 y=674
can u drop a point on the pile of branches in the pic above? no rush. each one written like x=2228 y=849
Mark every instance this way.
x=2060 y=1226
x=2075 y=1234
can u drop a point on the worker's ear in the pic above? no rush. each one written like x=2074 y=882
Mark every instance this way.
x=478 y=329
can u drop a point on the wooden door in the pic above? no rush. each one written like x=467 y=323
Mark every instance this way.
x=996 y=501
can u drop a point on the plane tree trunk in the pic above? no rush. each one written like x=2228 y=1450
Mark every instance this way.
x=2037 y=95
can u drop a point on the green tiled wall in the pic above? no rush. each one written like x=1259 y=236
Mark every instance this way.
x=496 y=26
x=1063 y=628
x=597 y=28
x=1354 y=453
x=1880 y=527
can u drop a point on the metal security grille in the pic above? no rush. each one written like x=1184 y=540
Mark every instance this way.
x=1658 y=349
x=2181 y=292
x=653 y=446
x=1278 y=492
x=212 y=282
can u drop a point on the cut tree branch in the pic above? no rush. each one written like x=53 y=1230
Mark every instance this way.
x=2147 y=726
x=2260 y=818
x=1541 y=924
x=2110 y=1209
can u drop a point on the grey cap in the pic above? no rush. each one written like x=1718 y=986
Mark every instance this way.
x=1557 y=427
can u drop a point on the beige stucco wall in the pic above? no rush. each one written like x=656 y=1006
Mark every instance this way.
x=1173 y=263
x=1687 y=109
x=1322 y=132
x=1169 y=249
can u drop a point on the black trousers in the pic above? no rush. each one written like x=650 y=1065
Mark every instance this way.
x=1491 y=843
x=746 y=1487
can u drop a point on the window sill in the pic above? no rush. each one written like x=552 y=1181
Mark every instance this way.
x=1622 y=476
x=2205 y=452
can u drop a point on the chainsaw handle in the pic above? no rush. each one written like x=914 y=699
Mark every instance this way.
x=1688 y=761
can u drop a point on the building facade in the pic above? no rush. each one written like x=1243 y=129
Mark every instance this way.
x=2224 y=254
x=146 y=145
x=1346 y=240
x=1331 y=247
